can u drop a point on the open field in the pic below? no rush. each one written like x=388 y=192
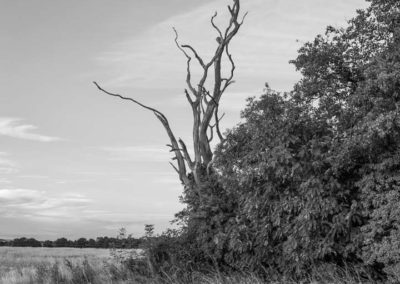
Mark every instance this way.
x=22 y=265
x=55 y=265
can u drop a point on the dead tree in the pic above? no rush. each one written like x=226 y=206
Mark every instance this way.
x=203 y=102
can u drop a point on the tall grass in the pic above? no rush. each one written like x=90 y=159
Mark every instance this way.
x=98 y=266
x=53 y=265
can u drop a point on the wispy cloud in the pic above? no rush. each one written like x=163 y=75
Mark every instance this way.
x=260 y=51
x=12 y=197
x=36 y=204
x=34 y=176
x=4 y=181
x=14 y=127
x=74 y=181
x=138 y=153
x=6 y=165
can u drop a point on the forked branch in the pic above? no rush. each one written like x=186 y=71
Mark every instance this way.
x=204 y=103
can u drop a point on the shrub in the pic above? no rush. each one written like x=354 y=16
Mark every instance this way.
x=311 y=176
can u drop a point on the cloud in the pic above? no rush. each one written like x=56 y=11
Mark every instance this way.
x=138 y=153
x=71 y=207
x=11 y=197
x=261 y=50
x=72 y=212
x=74 y=181
x=34 y=176
x=4 y=180
x=13 y=127
x=6 y=165
x=37 y=205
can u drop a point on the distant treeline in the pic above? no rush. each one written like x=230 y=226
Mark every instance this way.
x=100 y=242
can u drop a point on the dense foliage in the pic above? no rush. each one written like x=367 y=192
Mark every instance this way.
x=312 y=175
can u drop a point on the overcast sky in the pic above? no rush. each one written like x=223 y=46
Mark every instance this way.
x=75 y=162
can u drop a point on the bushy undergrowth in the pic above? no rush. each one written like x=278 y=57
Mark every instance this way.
x=149 y=270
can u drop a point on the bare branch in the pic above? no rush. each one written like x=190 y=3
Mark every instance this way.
x=222 y=116
x=233 y=23
x=156 y=112
x=173 y=149
x=205 y=98
x=211 y=133
x=228 y=81
x=204 y=102
x=188 y=97
x=161 y=117
x=215 y=125
x=233 y=67
x=195 y=54
x=186 y=154
x=207 y=94
x=202 y=106
x=217 y=120
x=188 y=72
x=220 y=84
x=174 y=167
x=215 y=26
x=244 y=17
x=184 y=151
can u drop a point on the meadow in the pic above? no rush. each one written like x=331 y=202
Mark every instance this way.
x=21 y=265
x=57 y=265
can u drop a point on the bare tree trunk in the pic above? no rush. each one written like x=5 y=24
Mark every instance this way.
x=204 y=103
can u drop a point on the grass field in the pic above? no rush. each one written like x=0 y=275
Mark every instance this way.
x=96 y=266
x=75 y=266
x=56 y=265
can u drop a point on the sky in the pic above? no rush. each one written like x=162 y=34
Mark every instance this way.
x=75 y=162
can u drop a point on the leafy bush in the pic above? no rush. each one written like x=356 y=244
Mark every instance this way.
x=311 y=176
